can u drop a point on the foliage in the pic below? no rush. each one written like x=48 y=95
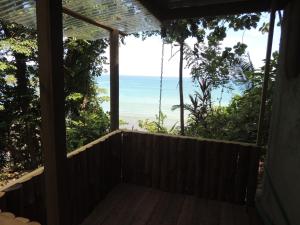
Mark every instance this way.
x=20 y=144
x=83 y=63
x=238 y=120
x=207 y=58
x=19 y=111
x=88 y=126
x=157 y=126
x=211 y=68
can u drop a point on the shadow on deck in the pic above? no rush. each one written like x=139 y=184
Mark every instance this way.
x=133 y=177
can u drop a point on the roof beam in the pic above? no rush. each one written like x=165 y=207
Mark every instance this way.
x=89 y=20
x=216 y=10
x=156 y=9
x=164 y=12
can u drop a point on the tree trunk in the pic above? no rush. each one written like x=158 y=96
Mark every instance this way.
x=181 y=90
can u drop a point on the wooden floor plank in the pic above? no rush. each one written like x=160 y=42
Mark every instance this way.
x=145 y=208
x=241 y=215
x=227 y=216
x=173 y=211
x=167 y=210
x=135 y=205
x=187 y=211
x=106 y=205
x=254 y=218
x=125 y=208
x=206 y=212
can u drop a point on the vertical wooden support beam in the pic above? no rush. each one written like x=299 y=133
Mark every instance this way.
x=114 y=80
x=50 y=44
x=266 y=78
x=181 y=89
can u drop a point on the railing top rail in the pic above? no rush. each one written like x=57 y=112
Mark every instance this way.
x=7 y=218
x=83 y=148
x=193 y=138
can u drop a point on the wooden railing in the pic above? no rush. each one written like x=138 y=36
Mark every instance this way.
x=210 y=169
x=93 y=171
x=7 y=218
x=219 y=170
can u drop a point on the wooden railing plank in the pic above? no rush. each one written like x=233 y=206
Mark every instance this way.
x=164 y=156
x=210 y=169
x=205 y=168
x=156 y=163
x=148 y=141
x=252 y=177
x=241 y=175
x=190 y=149
x=181 y=166
x=93 y=170
x=172 y=165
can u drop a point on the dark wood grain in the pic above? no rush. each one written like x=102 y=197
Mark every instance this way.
x=137 y=205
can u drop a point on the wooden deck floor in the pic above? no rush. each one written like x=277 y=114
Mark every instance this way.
x=135 y=205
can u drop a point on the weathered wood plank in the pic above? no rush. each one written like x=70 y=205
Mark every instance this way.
x=148 y=159
x=231 y=169
x=181 y=165
x=2 y=201
x=224 y=155
x=241 y=175
x=136 y=205
x=164 y=155
x=127 y=157
x=227 y=216
x=252 y=177
x=156 y=163
x=123 y=210
x=200 y=168
x=145 y=208
x=105 y=207
x=172 y=165
x=139 y=148
x=167 y=210
x=14 y=199
x=187 y=212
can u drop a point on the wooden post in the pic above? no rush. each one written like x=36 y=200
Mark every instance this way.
x=266 y=79
x=181 y=89
x=53 y=131
x=114 y=80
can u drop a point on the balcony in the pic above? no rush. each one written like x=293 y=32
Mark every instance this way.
x=131 y=177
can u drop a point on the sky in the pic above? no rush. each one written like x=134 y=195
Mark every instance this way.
x=143 y=58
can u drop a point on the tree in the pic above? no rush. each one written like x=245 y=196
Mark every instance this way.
x=20 y=115
x=238 y=120
x=20 y=145
x=209 y=29
x=85 y=119
x=211 y=68
x=178 y=31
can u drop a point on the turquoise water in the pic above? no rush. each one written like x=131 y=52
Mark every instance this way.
x=139 y=97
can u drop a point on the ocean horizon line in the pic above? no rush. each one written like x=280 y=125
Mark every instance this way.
x=138 y=75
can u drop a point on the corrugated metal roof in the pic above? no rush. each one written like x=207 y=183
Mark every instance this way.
x=128 y=16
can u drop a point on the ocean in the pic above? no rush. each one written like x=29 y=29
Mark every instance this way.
x=139 y=97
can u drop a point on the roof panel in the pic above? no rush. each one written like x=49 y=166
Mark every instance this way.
x=128 y=16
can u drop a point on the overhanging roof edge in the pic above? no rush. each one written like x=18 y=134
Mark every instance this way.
x=164 y=13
